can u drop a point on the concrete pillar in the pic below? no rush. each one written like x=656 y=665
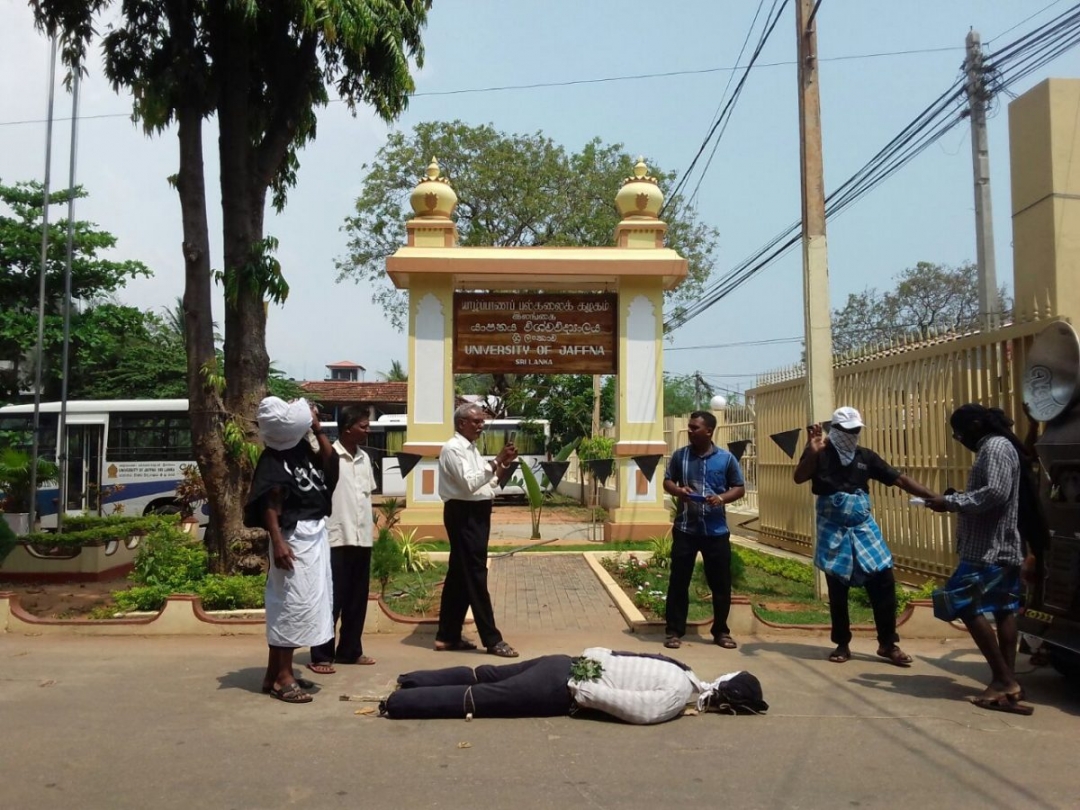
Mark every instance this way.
x=1044 y=144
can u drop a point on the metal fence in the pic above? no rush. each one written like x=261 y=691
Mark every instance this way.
x=905 y=393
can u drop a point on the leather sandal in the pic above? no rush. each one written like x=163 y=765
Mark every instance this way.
x=503 y=650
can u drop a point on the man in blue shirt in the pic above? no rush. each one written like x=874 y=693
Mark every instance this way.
x=702 y=479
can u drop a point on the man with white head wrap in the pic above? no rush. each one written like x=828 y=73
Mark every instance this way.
x=290 y=497
x=850 y=548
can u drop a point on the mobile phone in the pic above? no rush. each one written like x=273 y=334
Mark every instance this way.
x=511 y=437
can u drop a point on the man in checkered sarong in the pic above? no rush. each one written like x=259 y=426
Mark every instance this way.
x=988 y=542
x=850 y=548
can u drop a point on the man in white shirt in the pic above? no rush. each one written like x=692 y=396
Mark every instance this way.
x=350 y=528
x=467 y=486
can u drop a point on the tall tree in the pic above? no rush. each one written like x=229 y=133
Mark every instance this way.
x=93 y=279
x=927 y=297
x=565 y=400
x=259 y=70
x=512 y=190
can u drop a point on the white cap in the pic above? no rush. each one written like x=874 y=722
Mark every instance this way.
x=847 y=418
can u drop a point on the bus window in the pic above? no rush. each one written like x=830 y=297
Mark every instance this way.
x=150 y=437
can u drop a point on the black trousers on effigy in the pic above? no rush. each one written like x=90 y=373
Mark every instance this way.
x=468 y=525
x=535 y=688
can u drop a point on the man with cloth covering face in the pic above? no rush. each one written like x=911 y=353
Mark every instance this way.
x=850 y=547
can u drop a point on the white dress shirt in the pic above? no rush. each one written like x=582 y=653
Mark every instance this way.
x=350 y=522
x=464 y=475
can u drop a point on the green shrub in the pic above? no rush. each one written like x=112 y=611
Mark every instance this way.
x=660 y=545
x=235 y=592
x=171 y=559
x=386 y=558
x=595 y=448
x=142 y=597
x=795 y=570
x=92 y=530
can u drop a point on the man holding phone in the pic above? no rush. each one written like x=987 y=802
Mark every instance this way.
x=467 y=487
x=850 y=547
x=703 y=479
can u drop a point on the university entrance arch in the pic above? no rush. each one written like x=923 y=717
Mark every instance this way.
x=594 y=310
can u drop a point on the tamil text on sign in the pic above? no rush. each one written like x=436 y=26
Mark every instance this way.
x=535 y=333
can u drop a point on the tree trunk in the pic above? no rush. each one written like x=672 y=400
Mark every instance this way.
x=243 y=200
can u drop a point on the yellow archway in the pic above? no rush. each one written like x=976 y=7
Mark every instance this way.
x=634 y=273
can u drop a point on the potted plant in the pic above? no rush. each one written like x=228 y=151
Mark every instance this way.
x=15 y=486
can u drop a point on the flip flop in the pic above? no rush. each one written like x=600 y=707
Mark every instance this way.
x=290 y=693
x=841 y=655
x=363 y=660
x=725 y=641
x=1004 y=703
x=896 y=656
x=320 y=668
x=303 y=683
x=673 y=642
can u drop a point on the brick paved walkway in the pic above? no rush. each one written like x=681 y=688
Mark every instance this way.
x=535 y=592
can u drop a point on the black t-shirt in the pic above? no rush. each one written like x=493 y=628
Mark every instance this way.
x=831 y=476
x=299 y=472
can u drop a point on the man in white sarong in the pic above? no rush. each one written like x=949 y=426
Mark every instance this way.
x=291 y=498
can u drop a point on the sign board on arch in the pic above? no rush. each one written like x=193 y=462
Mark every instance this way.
x=535 y=333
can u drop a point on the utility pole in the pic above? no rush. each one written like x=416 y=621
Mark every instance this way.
x=819 y=366
x=989 y=305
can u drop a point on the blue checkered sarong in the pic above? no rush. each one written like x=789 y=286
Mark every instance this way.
x=985 y=587
x=849 y=541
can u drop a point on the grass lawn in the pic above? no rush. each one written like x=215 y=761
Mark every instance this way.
x=414 y=594
x=775 y=598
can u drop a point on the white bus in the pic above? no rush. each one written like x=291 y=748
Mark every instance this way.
x=128 y=454
x=123 y=455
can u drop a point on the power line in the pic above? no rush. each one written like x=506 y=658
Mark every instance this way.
x=1006 y=66
x=770 y=26
x=765 y=342
x=572 y=82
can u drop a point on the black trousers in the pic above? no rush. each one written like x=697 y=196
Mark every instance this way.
x=881 y=588
x=468 y=525
x=350 y=567
x=716 y=560
x=535 y=688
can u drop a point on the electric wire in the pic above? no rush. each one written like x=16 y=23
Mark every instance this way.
x=1005 y=67
x=575 y=82
x=723 y=97
x=764 y=38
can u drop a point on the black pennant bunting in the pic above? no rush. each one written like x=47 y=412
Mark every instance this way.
x=511 y=468
x=554 y=470
x=647 y=465
x=601 y=468
x=738 y=448
x=787 y=441
x=406 y=461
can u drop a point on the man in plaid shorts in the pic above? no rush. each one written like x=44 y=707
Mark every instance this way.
x=988 y=542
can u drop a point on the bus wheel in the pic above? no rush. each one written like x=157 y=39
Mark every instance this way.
x=163 y=508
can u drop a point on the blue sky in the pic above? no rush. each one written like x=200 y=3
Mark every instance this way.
x=751 y=193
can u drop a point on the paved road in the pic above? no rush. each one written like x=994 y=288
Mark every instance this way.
x=117 y=723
